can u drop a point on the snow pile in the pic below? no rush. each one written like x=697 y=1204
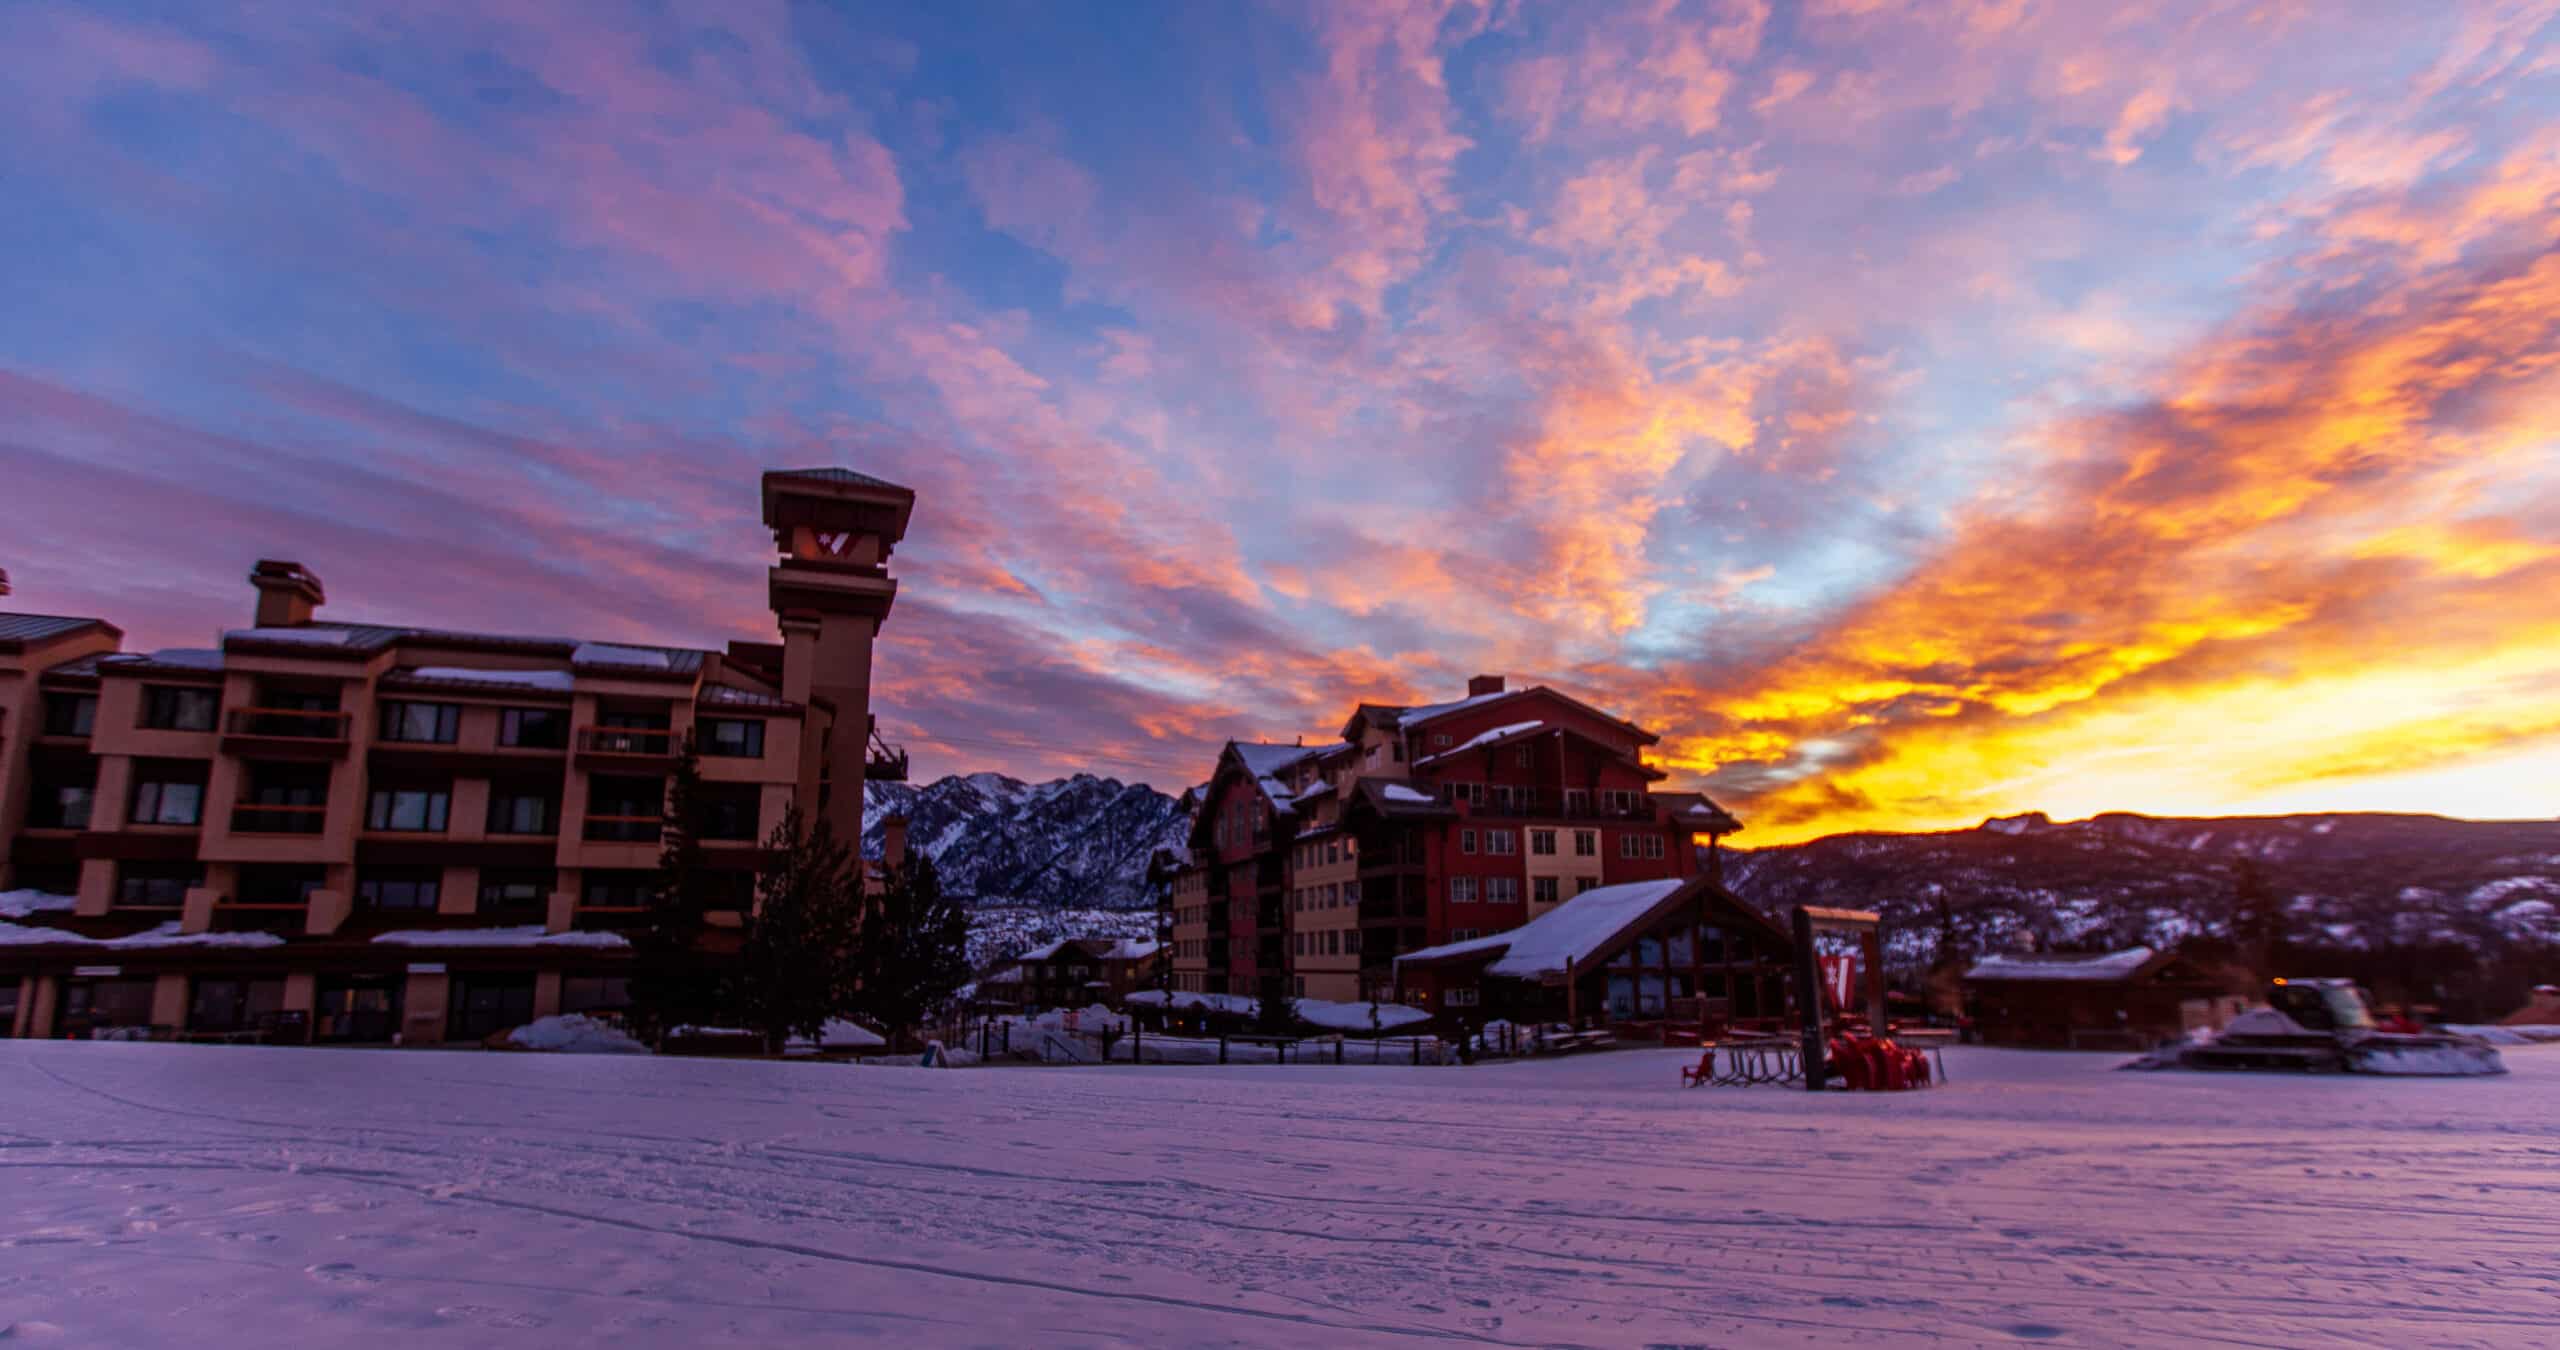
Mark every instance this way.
x=2530 y=1033
x=1481 y=740
x=1356 y=1016
x=843 y=1035
x=199 y=658
x=20 y=904
x=2429 y=1061
x=521 y=935
x=574 y=1034
x=2037 y=966
x=1241 y=1004
x=559 y=680
x=1398 y=792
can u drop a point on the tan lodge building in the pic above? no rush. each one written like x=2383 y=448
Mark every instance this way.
x=377 y=832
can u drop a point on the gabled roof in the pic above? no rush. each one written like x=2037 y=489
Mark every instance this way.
x=843 y=476
x=1398 y=800
x=2132 y=963
x=1588 y=929
x=18 y=630
x=1694 y=810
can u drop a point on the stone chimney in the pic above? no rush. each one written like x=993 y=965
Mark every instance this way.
x=893 y=842
x=287 y=593
x=1484 y=684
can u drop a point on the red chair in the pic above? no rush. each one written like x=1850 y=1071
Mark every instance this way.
x=1700 y=1073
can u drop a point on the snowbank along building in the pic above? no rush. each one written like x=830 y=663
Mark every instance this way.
x=1311 y=868
x=356 y=831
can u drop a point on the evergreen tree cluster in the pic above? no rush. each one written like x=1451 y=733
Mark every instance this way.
x=815 y=947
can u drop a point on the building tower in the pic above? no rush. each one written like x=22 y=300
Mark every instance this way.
x=831 y=591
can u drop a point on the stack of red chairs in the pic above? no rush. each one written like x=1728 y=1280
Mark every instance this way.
x=1873 y=1064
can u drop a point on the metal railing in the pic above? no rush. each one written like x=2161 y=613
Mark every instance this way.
x=269 y=818
x=626 y=741
x=286 y=724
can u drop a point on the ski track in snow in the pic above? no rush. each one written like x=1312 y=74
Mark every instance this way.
x=161 y=1194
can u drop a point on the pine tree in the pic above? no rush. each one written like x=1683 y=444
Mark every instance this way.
x=915 y=947
x=673 y=982
x=798 y=967
x=1275 y=1013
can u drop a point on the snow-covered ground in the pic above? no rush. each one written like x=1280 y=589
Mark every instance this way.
x=167 y=1195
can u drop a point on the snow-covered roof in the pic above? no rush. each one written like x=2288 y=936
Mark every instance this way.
x=1413 y=717
x=1398 y=792
x=1047 y=952
x=2051 y=966
x=609 y=654
x=559 y=680
x=191 y=658
x=1563 y=937
x=317 y=637
x=1132 y=949
x=524 y=935
x=166 y=935
x=1483 y=739
x=19 y=904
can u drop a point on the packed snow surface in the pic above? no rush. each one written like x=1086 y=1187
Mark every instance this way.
x=236 y=1196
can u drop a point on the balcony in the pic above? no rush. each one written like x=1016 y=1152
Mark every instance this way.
x=242 y=916
x=285 y=733
x=623 y=829
x=626 y=747
x=266 y=818
x=1552 y=806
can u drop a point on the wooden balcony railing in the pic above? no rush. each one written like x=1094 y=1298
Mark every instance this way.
x=262 y=818
x=626 y=741
x=286 y=724
x=624 y=829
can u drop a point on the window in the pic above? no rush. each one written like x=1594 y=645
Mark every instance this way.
x=156 y=885
x=1333 y=942
x=1501 y=843
x=398 y=888
x=619 y=890
x=420 y=809
x=481 y=1004
x=1461 y=998
x=533 y=728
x=283 y=799
x=1577 y=801
x=1351 y=892
x=1440 y=740
x=595 y=994
x=1333 y=850
x=1502 y=890
x=625 y=810
x=523 y=811
x=63 y=806
x=1542 y=843
x=1653 y=846
x=1466 y=841
x=164 y=801
x=1628 y=847
x=1470 y=793
x=729 y=812
x=1465 y=934
x=168 y=707
x=1462 y=890
x=733 y=737
x=436 y=723
x=503 y=889
x=1581 y=884
x=221 y=1005
x=278 y=885
x=1586 y=843
x=1619 y=800
x=1542 y=890
x=356 y=1007
x=70 y=714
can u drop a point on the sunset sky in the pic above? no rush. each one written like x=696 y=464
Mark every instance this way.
x=1914 y=416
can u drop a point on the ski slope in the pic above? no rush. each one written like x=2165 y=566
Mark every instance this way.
x=206 y=1196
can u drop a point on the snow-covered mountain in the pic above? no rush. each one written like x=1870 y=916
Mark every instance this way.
x=1074 y=843
x=2457 y=905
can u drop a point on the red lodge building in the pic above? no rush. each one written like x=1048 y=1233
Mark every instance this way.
x=367 y=831
x=1312 y=868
